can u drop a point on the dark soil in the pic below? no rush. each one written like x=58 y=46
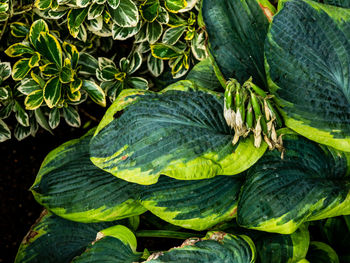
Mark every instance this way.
x=19 y=164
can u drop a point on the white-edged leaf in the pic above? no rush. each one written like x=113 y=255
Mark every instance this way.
x=5 y=133
x=71 y=116
x=155 y=65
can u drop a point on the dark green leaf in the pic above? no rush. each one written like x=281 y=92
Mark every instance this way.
x=95 y=10
x=43 y=4
x=122 y=33
x=75 y=19
x=180 y=132
x=175 y=5
x=136 y=83
x=113 y=3
x=66 y=74
x=88 y=64
x=54 y=118
x=37 y=27
x=215 y=247
x=18 y=49
x=155 y=65
x=163 y=51
x=149 y=10
x=309 y=183
x=21 y=132
x=237 y=31
x=321 y=253
x=204 y=76
x=308 y=67
x=21 y=115
x=49 y=47
x=53 y=239
x=173 y=34
x=19 y=29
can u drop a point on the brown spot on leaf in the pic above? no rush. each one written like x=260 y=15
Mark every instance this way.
x=267 y=12
x=234 y=212
x=31 y=234
x=124 y=157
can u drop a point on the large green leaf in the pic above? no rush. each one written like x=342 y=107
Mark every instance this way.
x=215 y=247
x=179 y=132
x=277 y=248
x=204 y=75
x=69 y=185
x=308 y=57
x=53 y=239
x=116 y=244
x=237 y=31
x=321 y=253
x=340 y=3
x=310 y=183
x=72 y=187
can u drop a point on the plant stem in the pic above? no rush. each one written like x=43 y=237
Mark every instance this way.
x=166 y=234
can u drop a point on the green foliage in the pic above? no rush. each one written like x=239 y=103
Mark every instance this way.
x=185 y=152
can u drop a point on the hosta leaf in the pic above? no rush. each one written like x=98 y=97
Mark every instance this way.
x=164 y=51
x=43 y=4
x=173 y=34
x=72 y=187
x=203 y=74
x=49 y=47
x=180 y=132
x=18 y=49
x=237 y=31
x=118 y=247
x=5 y=133
x=36 y=28
x=277 y=248
x=19 y=29
x=215 y=247
x=149 y=10
x=52 y=92
x=340 y=3
x=21 y=115
x=71 y=116
x=21 y=132
x=122 y=33
x=95 y=92
x=53 y=239
x=75 y=19
x=20 y=69
x=309 y=183
x=154 y=31
x=196 y=204
x=175 y=5
x=34 y=100
x=54 y=118
x=126 y=15
x=309 y=70
x=136 y=83
x=90 y=194
x=155 y=65
x=321 y=253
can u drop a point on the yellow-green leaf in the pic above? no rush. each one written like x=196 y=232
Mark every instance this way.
x=20 y=69
x=37 y=27
x=50 y=48
x=34 y=100
x=34 y=60
x=52 y=92
x=18 y=49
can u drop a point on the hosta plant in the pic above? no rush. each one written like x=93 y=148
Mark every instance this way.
x=195 y=157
